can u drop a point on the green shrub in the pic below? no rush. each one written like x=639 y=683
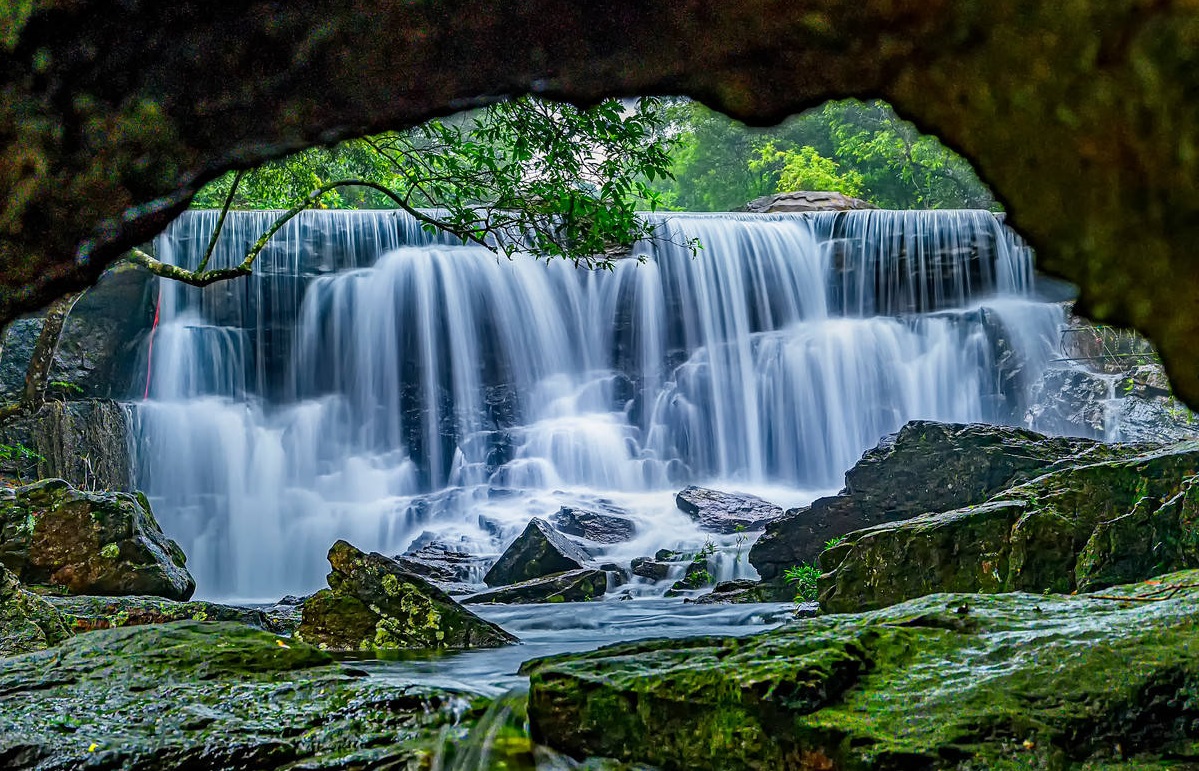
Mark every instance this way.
x=803 y=577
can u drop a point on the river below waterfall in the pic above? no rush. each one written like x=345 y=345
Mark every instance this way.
x=373 y=383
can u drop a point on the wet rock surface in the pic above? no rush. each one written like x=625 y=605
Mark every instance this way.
x=607 y=526
x=946 y=681
x=925 y=467
x=725 y=513
x=193 y=695
x=452 y=568
x=537 y=552
x=1085 y=526
x=571 y=586
x=726 y=592
x=89 y=543
x=806 y=200
x=372 y=603
x=653 y=569
x=87 y=614
x=27 y=622
x=85 y=442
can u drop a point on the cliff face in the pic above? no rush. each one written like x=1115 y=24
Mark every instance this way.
x=1078 y=114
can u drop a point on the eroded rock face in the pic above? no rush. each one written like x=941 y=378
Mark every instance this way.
x=374 y=604
x=191 y=695
x=572 y=586
x=85 y=442
x=1083 y=527
x=911 y=686
x=89 y=543
x=925 y=467
x=27 y=622
x=537 y=552
x=720 y=512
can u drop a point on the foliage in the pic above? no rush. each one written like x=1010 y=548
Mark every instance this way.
x=860 y=149
x=705 y=551
x=563 y=181
x=19 y=459
x=804 y=578
x=834 y=542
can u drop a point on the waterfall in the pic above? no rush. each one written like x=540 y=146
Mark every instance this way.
x=375 y=383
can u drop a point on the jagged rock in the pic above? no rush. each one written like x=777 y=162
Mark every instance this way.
x=1153 y=419
x=806 y=200
x=602 y=527
x=89 y=543
x=1086 y=526
x=450 y=568
x=536 y=552
x=651 y=569
x=925 y=467
x=947 y=681
x=374 y=604
x=720 y=512
x=741 y=590
x=85 y=442
x=86 y=614
x=191 y=695
x=27 y=621
x=571 y=586
x=1069 y=401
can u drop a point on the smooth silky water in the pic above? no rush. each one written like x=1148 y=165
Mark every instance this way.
x=373 y=383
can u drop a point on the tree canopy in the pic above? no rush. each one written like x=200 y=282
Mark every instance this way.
x=860 y=149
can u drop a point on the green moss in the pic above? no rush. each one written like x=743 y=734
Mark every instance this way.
x=110 y=551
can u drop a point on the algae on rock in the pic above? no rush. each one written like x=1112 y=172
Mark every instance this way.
x=27 y=622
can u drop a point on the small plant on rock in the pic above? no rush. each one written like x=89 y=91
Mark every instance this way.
x=834 y=542
x=803 y=577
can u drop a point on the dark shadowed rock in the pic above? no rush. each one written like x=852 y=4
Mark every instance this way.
x=451 y=568
x=374 y=604
x=85 y=442
x=727 y=592
x=192 y=695
x=89 y=543
x=959 y=681
x=925 y=467
x=651 y=569
x=606 y=526
x=1083 y=527
x=536 y=552
x=27 y=621
x=697 y=576
x=572 y=586
x=720 y=512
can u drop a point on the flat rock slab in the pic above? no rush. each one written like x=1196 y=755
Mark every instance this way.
x=599 y=526
x=572 y=586
x=538 y=551
x=946 y=681
x=88 y=614
x=191 y=695
x=725 y=513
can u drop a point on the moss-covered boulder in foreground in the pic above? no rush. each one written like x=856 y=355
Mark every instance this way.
x=1001 y=681
x=27 y=621
x=89 y=543
x=372 y=603
x=193 y=695
x=1082 y=527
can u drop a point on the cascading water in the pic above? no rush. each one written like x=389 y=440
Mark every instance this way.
x=373 y=383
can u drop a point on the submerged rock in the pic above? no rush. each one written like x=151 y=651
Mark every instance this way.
x=720 y=512
x=374 y=604
x=601 y=527
x=948 y=681
x=27 y=622
x=572 y=586
x=190 y=695
x=86 y=614
x=697 y=576
x=1082 y=527
x=450 y=568
x=89 y=543
x=536 y=552
x=726 y=592
x=925 y=467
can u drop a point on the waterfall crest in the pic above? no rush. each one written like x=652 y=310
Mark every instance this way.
x=375 y=383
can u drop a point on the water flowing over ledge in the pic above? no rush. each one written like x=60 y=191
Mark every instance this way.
x=371 y=382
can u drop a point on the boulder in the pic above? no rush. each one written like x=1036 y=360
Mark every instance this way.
x=806 y=200
x=89 y=543
x=451 y=568
x=654 y=570
x=372 y=603
x=203 y=695
x=1081 y=527
x=571 y=586
x=27 y=622
x=606 y=526
x=925 y=467
x=536 y=552
x=720 y=512
x=947 y=681
x=86 y=614
x=727 y=592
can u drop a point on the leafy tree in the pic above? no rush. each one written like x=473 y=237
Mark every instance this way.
x=806 y=169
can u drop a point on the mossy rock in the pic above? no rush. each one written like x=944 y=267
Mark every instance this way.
x=946 y=681
x=374 y=604
x=1081 y=527
x=27 y=621
x=89 y=543
x=570 y=586
x=190 y=695
x=87 y=614
x=537 y=552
